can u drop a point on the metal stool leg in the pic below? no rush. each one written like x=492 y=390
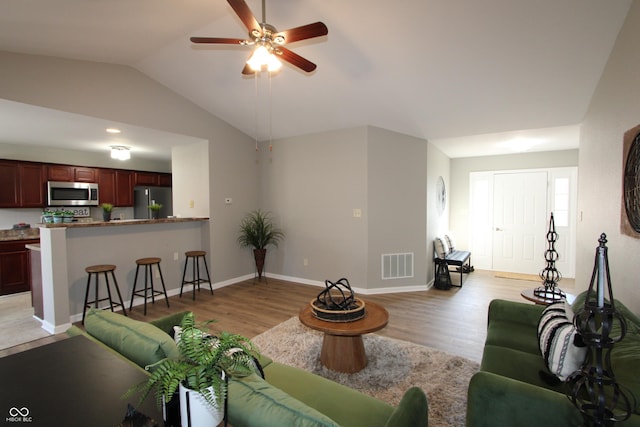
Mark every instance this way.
x=115 y=283
x=135 y=282
x=86 y=299
x=184 y=273
x=208 y=276
x=164 y=289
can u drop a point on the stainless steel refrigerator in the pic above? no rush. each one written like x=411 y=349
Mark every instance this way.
x=145 y=196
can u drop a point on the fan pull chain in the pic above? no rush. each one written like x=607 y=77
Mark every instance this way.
x=270 y=113
x=255 y=75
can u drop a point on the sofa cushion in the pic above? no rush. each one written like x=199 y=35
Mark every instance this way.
x=253 y=401
x=140 y=342
x=560 y=343
x=344 y=405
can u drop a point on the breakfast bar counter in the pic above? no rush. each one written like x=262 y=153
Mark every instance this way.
x=121 y=222
x=68 y=248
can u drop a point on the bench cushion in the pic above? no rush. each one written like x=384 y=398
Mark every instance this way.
x=458 y=256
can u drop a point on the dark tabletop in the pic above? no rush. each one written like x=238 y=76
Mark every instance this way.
x=73 y=382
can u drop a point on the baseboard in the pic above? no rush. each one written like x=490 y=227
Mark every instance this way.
x=56 y=329
x=358 y=290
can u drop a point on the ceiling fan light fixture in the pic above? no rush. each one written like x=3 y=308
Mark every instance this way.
x=120 y=152
x=262 y=56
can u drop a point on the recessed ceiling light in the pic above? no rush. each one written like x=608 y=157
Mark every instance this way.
x=113 y=130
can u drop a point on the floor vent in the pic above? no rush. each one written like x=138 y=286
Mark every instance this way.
x=397 y=266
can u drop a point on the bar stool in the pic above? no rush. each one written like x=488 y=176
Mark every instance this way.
x=95 y=270
x=147 y=264
x=195 y=256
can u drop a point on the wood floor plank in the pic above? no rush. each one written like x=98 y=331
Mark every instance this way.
x=450 y=320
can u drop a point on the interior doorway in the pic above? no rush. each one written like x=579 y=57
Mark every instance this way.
x=509 y=217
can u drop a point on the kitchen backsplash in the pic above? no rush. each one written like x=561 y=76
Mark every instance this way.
x=9 y=217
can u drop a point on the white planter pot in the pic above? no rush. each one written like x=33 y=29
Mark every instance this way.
x=195 y=411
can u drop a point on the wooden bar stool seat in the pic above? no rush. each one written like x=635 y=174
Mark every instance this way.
x=195 y=257
x=149 y=291
x=95 y=270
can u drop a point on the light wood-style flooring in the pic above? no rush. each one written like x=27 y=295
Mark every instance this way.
x=453 y=320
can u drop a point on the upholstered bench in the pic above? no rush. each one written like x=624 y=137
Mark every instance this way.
x=444 y=255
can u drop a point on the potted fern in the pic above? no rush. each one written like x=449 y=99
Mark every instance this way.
x=258 y=231
x=199 y=374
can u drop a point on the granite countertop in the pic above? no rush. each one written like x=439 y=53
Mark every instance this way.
x=121 y=222
x=22 y=234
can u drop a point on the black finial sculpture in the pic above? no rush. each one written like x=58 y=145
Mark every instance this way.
x=593 y=389
x=550 y=275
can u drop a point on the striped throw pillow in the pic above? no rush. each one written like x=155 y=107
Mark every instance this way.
x=442 y=248
x=560 y=344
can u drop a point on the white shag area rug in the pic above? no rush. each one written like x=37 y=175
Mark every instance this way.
x=393 y=367
x=18 y=324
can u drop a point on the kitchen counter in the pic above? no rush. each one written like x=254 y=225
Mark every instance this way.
x=22 y=234
x=121 y=222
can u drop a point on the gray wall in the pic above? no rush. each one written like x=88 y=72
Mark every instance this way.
x=313 y=183
x=613 y=110
x=438 y=165
x=125 y=95
x=462 y=167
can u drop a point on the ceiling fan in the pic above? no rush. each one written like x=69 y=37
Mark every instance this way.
x=269 y=42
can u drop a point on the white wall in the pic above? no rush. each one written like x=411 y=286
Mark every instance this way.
x=438 y=165
x=312 y=184
x=613 y=110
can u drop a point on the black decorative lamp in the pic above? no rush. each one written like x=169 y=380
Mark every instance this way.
x=550 y=275
x=593 y=389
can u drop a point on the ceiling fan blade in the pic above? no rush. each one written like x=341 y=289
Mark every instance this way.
x=296 y=60
x=245 y=14
x=304 y=32
x=219 y=40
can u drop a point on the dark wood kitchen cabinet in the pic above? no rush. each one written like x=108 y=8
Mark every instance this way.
x=23 y=184
x=67 y=173
x=124 y=188
x=107 y=186
x=15 y=266
x=153 y=179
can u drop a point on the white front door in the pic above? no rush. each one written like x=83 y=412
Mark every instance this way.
x=520 y=220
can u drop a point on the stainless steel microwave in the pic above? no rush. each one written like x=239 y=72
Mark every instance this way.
x=72 y=194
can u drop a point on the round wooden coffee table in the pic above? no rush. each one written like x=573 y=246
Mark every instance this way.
x=342 y=346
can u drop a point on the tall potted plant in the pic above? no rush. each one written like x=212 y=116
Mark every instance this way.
x=257 y=230
x=199 y=372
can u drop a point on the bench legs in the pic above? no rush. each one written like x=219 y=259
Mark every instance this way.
x=442 y=276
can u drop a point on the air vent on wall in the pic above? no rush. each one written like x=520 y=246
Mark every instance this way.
x=397 y=266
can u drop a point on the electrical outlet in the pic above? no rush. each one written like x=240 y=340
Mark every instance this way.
x=175 y=256
x=305 y=262
x=191 y=203
x=357 y=213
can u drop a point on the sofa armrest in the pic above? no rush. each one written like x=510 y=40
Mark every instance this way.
x=494 y=400
x=167 y=323
x=412 y=410
x=510 y=311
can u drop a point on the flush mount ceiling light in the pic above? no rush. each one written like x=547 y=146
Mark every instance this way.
x=120 y=152
x=113 y=130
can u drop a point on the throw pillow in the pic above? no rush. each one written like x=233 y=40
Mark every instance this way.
x=270 y=406
x=442 y=249
x=140 y=342
x=450 y=242
x=560 y=344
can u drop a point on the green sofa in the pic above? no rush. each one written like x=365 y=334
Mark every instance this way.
x=509 y=390
x=286 y=396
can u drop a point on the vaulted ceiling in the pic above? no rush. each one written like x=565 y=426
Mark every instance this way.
x=466 y=75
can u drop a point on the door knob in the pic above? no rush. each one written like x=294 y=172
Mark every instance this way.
x=498 y=229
